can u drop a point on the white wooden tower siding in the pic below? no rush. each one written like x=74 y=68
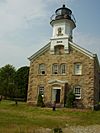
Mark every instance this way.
x=63 y=23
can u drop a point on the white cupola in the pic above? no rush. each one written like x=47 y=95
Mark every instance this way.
x=63 y=23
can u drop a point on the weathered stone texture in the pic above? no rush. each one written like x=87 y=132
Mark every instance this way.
x=89 y=80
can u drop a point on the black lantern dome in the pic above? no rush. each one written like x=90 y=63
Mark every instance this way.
x=63 y=13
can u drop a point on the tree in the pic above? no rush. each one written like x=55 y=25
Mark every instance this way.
x=21 y=80
x=40 y=101
x=70 y=99
x=7 y=84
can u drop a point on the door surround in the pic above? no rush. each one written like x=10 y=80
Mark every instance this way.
x=56 y=94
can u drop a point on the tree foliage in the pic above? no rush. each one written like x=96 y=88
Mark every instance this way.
x=22 y=81
x=14 y=84
x=40 y=101
x=7 y=78
x=70 y=99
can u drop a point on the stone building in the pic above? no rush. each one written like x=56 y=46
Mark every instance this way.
x=62 y=65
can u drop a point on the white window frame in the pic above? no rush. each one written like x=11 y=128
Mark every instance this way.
x=63 y=68
x=77 y=92
x=55 y=69
x=42 y=68
x=78 y=68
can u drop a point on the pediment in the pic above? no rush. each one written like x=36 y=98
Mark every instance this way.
x=56 y=81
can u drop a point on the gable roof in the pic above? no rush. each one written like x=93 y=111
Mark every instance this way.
x=40 y=52
x=82 y=50
x=85 y=52
x=73 y=45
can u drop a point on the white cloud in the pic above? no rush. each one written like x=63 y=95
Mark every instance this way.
x=14 y=13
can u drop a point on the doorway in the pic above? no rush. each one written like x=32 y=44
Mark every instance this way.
x=56 y=95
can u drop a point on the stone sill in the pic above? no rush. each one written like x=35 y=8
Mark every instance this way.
x=58 y=74
x=52 y=74
x=77 y=75
x=78 y=98
x=42 y=74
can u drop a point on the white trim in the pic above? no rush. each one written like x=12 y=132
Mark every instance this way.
x=77 y=96
x=40 y=52
x=77 y=71
x=73 y=45
x=55 y=81
x=82 y=50
x=56 y=88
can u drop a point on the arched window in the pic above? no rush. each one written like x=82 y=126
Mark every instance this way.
x=77 y=92
x=42 y=68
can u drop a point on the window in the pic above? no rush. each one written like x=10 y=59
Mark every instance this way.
x=63 y=68
x=42 y=69
x=77 y=92
x=59 y=31
x=78 y=69
x=41 y=90
x=58 y=12
x=59 y=49
x=59 y=69
x=55 y=69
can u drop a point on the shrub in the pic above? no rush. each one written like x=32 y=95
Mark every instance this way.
x=97 y=107
x=40 y=102
x=70 y=99
x=57 y=130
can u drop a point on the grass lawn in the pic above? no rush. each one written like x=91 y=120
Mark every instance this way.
x=24 y=119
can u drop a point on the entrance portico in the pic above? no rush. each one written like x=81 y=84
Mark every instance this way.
x=56 y=94
x=58 y=88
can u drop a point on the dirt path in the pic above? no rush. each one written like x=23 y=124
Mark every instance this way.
x=74 y=129
x=82 y=129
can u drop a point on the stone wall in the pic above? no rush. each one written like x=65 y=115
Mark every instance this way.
x=88 y=80
x=96 y=81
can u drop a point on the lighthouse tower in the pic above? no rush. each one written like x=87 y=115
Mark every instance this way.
x=63 y=23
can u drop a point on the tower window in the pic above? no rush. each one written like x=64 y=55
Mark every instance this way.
x=78 y=69
x=41 y=68
x=59 y=49
x=59 y=31
x=55 y=69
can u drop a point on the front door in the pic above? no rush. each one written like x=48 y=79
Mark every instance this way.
x=56 y=95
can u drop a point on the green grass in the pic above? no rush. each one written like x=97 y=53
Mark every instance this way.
x=23 y=118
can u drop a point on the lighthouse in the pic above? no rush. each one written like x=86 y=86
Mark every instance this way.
x=63 y=23
x=61 y=67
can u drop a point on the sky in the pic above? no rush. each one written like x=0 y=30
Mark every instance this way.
x=25 y=27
